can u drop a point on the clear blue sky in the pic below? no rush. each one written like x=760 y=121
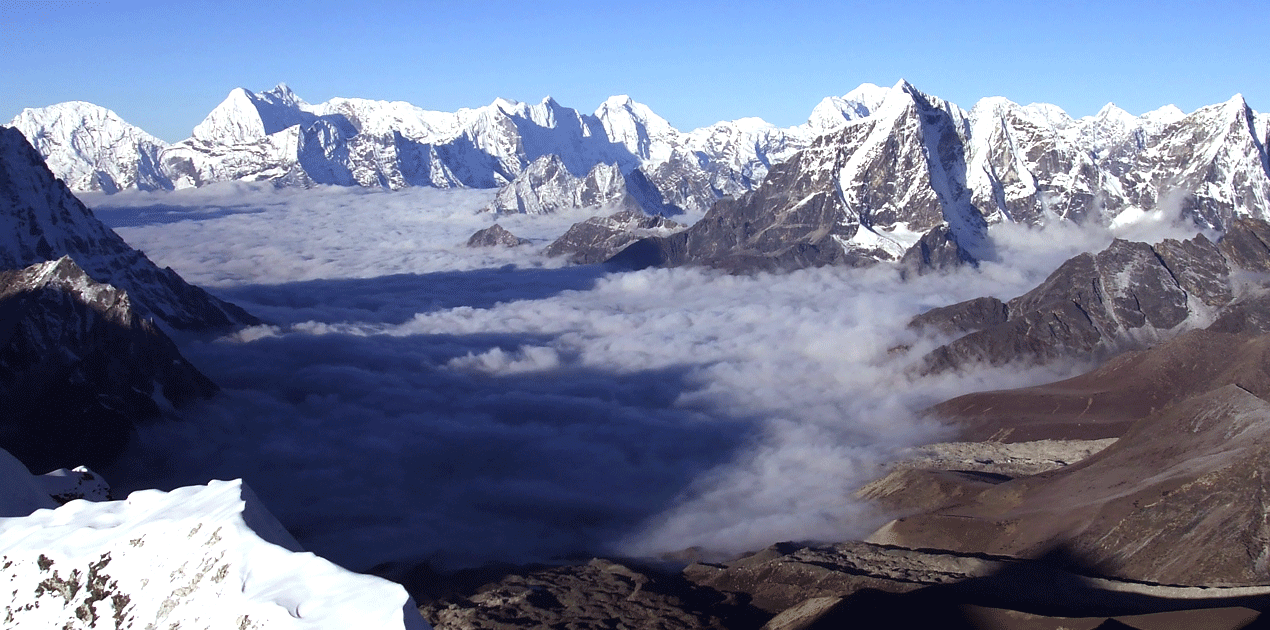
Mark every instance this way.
x=164 y=65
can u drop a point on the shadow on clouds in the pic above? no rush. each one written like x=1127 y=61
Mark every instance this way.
x=394 y=299
x=377 y=448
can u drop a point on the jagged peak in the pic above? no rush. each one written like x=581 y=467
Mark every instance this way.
x=282 y=94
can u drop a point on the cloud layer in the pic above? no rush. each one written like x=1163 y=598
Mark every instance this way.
x=413 y=399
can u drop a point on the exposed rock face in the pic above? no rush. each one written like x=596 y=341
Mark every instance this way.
x=197 y=557
x=1126 y=296
x=78 y=367
x=43 y=221
x=599 y=594
x=495 y=236
x=936 y=250
x=597 y=239
x=840 y=202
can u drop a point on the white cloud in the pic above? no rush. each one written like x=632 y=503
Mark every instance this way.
x=416 y=399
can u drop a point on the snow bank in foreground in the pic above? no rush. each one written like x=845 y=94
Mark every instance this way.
x=197 y=557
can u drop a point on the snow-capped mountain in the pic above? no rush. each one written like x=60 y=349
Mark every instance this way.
x=1033 y=164
x=92 y=148
x=1020 y=163
x=44 y=222
x=868 y=191
x=547 y=186
x=277 y=136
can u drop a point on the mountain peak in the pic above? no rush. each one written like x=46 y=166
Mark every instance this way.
x=283 y=95
x=1112 y=111
x=617 y=101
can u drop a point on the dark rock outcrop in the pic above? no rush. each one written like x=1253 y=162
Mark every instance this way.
x=598 y=594
x=40 y=221
x=79 y=367
x=937 y=250
x=597 y=239
x=1127 y=296
x=495 y=236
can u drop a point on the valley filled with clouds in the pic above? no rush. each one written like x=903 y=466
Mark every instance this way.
x=412 y=399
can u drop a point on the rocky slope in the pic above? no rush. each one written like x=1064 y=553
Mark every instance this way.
x=1129 y=295
x=1177 y=499
x=79 y=367
x=597 y=239
x=43 y=221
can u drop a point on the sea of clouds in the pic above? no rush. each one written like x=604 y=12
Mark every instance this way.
x=412 y=399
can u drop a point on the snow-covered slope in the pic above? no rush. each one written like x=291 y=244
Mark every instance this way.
x=276 y=136
x=92 y=148
x=547 y=186
x=1033 y=164
x=197 y=557
x=43 y=221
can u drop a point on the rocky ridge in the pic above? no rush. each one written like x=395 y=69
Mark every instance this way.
x=79 y=367
x=45 y=222
x=1130 y=295
x=598 y=238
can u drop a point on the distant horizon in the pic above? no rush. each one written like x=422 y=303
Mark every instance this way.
x=163 y=67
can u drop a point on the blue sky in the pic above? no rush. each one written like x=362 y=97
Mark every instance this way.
x=164 y=65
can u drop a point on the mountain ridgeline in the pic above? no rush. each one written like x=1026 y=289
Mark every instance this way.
x=867 y=178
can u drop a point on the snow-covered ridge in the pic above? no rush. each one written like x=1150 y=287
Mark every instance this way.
x=277 y=136
x=1026 y=163
x=197 y=557
x=92 y=148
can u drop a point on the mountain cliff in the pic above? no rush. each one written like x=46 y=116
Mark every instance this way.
x=43 y=221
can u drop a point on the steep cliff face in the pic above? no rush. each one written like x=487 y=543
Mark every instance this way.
x=79 y=367
x=43 y=221
x=867 y=192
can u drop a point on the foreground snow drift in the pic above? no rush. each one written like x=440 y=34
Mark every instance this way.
x=197 y=557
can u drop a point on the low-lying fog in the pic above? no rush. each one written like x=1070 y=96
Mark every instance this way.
x=413 y=399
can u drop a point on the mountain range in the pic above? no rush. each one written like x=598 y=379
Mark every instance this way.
x=863 y=180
